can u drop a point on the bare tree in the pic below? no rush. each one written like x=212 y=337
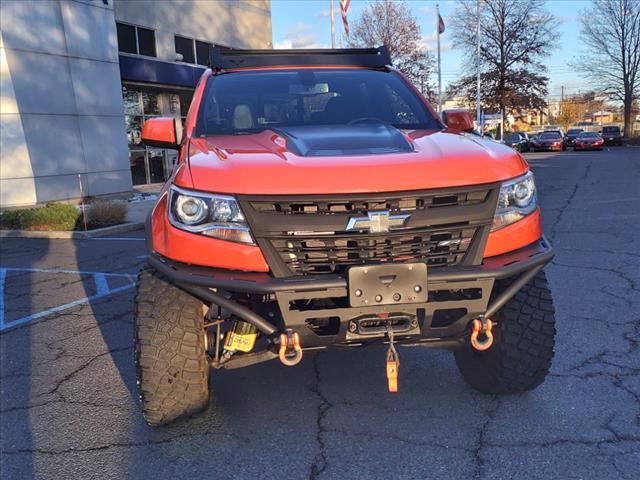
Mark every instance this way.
x=515 y=36
x=611 y=59
x=390 y=23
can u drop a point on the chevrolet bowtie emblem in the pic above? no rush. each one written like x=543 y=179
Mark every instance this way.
x=378 y=222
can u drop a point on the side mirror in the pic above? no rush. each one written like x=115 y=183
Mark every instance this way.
x=162 y=132
x=458 y=120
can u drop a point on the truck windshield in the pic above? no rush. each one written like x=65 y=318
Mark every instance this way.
x=247 y=102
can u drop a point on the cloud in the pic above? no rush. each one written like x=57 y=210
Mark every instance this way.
x=284 y=44
x=427 y=10
x=298 y=36
x=327 y=13
x=430 y=42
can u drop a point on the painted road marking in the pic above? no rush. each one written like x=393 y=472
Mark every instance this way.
x=99 y=278
x=3 y=277
x=129 y=239
x=77 y=272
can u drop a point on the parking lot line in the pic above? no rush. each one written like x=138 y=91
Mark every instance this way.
x=99 y=278
x=3 y=277
x=59 y=308
x=77 y=272
x=130 y=239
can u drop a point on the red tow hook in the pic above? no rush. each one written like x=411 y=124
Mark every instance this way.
x=484 y=326
x=290 y=352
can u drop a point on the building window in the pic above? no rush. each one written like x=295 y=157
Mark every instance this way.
x=202 y=52
x=146 y=42
x=127 y=38
x=184 y=46
x=136 y=40
x=151 y=165
x=193 y=51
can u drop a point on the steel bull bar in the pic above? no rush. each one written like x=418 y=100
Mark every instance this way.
x=523 y=264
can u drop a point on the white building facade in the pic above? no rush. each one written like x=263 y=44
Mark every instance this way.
x=80 y=77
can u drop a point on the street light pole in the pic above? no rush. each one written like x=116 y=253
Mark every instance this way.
x=478 y=110
x=439 y=64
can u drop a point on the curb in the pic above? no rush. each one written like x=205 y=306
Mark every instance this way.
x=98 y=232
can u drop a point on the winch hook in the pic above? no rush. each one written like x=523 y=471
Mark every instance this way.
x=290 y=352
x=484 y=326
x=393 y=364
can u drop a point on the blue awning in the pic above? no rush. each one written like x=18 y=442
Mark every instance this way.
x=139 y=69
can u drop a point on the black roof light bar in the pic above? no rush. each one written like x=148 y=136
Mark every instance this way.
x=230 y=58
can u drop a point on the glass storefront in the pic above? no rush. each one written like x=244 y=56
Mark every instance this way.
x=151 y=165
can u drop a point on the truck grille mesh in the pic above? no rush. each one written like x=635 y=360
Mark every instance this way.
x=333 y=254
x=362 y=206
x=307 y=235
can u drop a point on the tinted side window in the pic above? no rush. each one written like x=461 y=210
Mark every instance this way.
x=146 y=42
x=184 y=46
x=202 y=53
x=127 y=38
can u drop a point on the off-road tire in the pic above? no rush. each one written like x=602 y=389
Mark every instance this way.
x=171 y=364
x=524 y=340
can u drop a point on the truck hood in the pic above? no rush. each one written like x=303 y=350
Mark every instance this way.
x=265 y=163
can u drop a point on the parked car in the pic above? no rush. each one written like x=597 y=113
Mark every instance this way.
x=549 y=141
x=518 y=141
x=571 y=135
x=317 y=207
x=588 y=141
x=555 y=129
x=612 y=135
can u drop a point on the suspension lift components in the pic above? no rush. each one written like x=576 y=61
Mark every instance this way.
x=241 y=337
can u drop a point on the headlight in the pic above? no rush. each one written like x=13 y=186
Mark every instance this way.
x=217 y=216
x=517 y=200
x=191 y=210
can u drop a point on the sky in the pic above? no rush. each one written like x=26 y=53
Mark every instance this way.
x=306 y=24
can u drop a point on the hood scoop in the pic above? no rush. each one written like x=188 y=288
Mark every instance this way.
x=342 y=140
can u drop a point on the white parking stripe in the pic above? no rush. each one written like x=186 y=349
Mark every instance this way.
x=78 y=272
x=44 y=313
x=3 y=277
x=130 y=239
x=99 y=278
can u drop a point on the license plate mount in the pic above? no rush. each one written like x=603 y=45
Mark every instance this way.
x=392 y=284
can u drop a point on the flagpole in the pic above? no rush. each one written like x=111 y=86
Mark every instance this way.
x=333 y=32
x=478 y=111
x=439 y=65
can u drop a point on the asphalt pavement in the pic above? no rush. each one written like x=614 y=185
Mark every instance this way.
x=68 y=398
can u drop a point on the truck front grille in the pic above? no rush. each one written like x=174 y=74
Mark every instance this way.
x=335 y=253
x=307 y=235
x=407 y=203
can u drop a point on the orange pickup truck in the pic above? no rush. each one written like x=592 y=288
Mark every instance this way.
x=319 y=201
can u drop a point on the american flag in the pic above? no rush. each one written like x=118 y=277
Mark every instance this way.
x=344 y=6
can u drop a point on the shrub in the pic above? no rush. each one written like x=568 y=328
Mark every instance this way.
x=50 y=217
x=104 y=213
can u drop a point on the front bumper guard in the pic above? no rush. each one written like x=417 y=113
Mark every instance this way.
x=523 y=263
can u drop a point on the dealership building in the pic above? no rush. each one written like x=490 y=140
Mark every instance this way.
x=80 y=77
